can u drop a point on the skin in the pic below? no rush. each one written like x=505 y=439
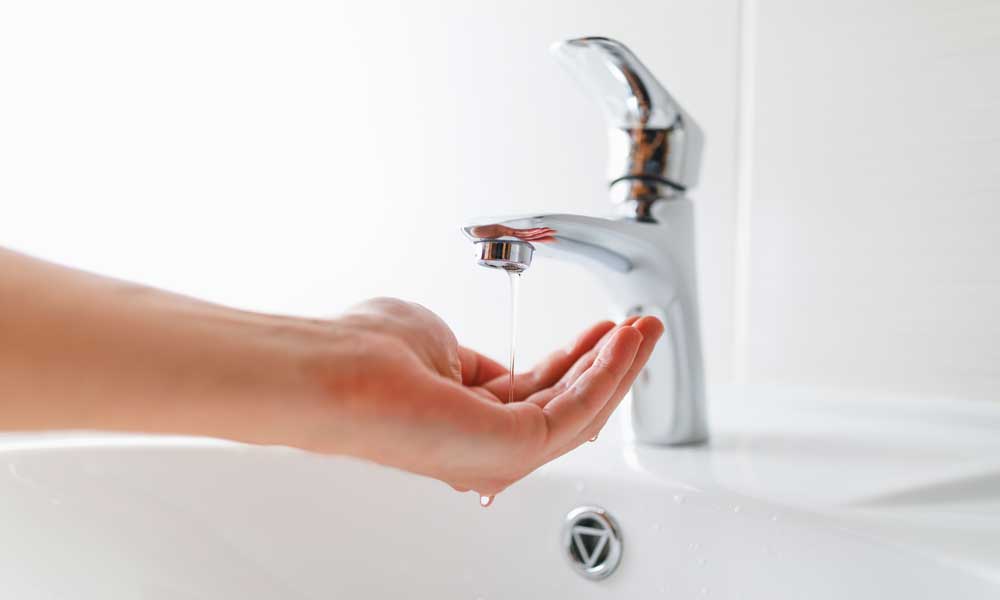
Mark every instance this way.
x=387 y=381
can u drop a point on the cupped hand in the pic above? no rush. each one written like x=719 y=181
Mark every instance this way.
x=415 y=399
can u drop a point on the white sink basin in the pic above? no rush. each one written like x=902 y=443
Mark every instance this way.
x=799 y=495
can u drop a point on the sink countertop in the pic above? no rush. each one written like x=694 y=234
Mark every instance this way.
x=921 y=473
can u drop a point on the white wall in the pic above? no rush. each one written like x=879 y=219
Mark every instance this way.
x=298 y=157
x=873 y=210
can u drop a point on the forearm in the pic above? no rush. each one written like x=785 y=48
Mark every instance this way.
x=78 y=351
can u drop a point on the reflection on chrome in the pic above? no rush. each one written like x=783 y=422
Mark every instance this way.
x=501 y=231
x=646 y=257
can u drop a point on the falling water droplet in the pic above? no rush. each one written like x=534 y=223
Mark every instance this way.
x=678 y=499
x=485 y=501
x=580 y=486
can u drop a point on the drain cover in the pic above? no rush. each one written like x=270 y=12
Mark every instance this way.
x=592 y=542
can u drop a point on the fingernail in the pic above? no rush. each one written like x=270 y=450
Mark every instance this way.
x=661 y=329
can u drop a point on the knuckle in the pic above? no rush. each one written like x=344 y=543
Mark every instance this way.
x=385 y=304
x=455 y=367
x=603 y=362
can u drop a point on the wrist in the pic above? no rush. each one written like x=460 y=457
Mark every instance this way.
x=289 y=385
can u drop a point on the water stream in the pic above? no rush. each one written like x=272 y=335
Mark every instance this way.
x=515 y=280
x=514 y=276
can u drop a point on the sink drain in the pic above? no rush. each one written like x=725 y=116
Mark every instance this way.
x=592 y=542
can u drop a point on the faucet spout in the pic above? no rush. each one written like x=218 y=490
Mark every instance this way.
x=648 y=269
x=573 y=237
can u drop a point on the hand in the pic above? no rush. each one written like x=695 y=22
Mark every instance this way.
x=413 y=398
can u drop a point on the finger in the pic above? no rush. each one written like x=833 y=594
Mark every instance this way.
x=651 y=329
x=569 y=413
x=583 y=363
x=478 y=369
x=547 y=372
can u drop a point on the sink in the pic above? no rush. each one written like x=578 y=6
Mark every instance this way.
x=801 y=494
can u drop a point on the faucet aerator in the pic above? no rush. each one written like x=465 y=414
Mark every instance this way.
x=505 y=254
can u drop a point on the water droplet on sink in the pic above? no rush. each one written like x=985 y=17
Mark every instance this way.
x=678 y=499
x=580 y=486
x=485 y=501
x=737 y=508
x=774 y=517
x=657 y=527
x=704 y=591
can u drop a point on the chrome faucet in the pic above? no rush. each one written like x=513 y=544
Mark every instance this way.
x=646 y=255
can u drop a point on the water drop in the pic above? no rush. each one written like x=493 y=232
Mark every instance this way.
x=485 y=501
x=737 y=508
x=774 y=517
x=678 y=499
x=702 y=561
x=657 y=527
x=704 y=591
x=693 y=546
x=580 y=486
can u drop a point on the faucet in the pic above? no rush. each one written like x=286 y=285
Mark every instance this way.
x=645 y=254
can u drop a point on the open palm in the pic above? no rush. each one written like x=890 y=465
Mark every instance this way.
x=443 y=410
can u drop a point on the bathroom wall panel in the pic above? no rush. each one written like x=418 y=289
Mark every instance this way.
x=874 y=212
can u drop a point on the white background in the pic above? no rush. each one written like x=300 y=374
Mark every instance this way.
x=301 y=156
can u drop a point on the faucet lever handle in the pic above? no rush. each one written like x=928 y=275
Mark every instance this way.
x=663 y=143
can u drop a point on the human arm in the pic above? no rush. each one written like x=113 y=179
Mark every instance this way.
x=386 y=381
